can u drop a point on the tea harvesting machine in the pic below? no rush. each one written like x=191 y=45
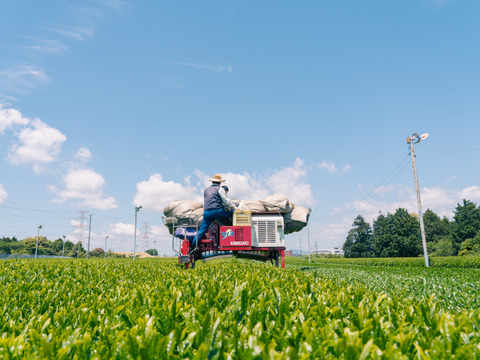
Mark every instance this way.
x=253 y=235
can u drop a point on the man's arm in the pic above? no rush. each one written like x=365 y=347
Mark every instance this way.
x=227 y=203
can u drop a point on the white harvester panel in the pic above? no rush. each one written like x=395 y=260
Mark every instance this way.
x=268 y=230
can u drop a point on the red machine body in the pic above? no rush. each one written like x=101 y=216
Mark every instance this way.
x=239 y=237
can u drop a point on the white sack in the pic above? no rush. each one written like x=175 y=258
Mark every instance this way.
x=169 y=222
x=251 y=205
x=276 y=203
x=296 y=220
x=178 y=208
x=199 y=213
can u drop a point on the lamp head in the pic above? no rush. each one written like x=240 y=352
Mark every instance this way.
x=423 y=136
x=415 y=138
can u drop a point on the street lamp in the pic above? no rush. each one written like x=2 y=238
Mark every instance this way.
x=63 y=250
x=36 y=243
x=308 y=232
x=106 y=237
x=137 y=209
x=89 y=232
x=414 y=139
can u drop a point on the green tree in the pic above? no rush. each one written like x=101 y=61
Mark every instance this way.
x=442 y=247
x=359 y=239
x=152 y=252
x=73 y=252
x=466 y=222
x=45 y=247
x=397 y=235
x=57 y=246
x=29 y=245
x=435 y=227
x=471 y=246
x=98 y=252
x=69 y=245
x=9 y=244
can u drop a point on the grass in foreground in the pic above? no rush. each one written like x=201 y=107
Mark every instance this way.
x=153 y=309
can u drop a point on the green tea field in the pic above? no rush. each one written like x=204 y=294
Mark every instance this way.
x=326 y=309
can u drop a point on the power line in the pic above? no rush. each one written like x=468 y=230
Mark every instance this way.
x=387 y=180
x=451 y=152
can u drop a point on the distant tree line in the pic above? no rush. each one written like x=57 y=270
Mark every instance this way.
x=11 y=245
x=399 y=235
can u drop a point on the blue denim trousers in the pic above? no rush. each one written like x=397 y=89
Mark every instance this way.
x=209 y=216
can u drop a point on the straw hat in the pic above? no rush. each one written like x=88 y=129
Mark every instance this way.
x=217 y=178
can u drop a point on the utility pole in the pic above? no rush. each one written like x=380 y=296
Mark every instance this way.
x=410 y=140
x=145 y=243
x=81 y=225
x=63 y=250
x=36 y=244
x=308 y=235
x=300 y=246
x=89 y=232
x=106 y=237
x=137 y=209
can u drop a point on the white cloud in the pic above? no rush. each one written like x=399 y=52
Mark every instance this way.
x=291 y=181
x=329 y=166
x=440 y=200
x=242 y=186
x=155 y=193
x=440 y=3
x=333 y=231
x=346 y=167
x=38 y=144
x=48 y=46
x=11 y=117
x=77 y=33
x=472 y=193
x=126 y=231
x=214 y=68
x=101 y=203
x=6 y=99
x=121 y=229
x=116 y=4
x=120 y=238
x=22 y=78
x=83 y=154
x=386 y=199
x=3 y=194
x=87 y=185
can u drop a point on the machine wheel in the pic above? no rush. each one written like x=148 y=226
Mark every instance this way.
x=191 y=264
x=276 y=256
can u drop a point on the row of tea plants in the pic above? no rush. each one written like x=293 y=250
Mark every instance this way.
x=148 y=309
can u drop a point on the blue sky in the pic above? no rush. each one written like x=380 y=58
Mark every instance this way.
x=107 y=105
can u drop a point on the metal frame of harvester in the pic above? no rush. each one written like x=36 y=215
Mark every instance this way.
x=256 y=236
